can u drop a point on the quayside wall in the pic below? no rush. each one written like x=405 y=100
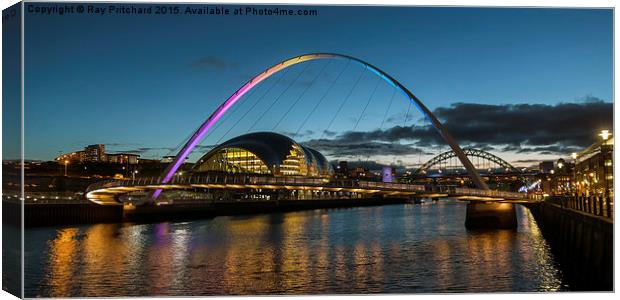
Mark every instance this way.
x=60 y=214
x=582 y=244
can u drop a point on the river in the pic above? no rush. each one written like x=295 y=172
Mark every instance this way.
x=404 y=248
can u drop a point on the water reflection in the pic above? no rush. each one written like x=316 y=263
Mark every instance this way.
x=398 y=248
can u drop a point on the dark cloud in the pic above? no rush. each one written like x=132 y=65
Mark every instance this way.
x=297 y=135
x=371 y=165
x=212 y=62
x=121 y=144
x=394 y=134
x=329 y=133
x=341 y=147
x=522 y=128
x=527 y=161
x=142 y=150
x=405 y=118
x=564 y=125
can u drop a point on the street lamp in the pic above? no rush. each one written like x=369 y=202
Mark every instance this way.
x=574 y=157
x=133 y=174
x=603 y=156
x=66 y=163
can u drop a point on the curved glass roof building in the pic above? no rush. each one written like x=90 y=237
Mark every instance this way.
x=265 y=153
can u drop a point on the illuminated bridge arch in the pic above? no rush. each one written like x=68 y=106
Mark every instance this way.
x=195 y=139
x=470 y=152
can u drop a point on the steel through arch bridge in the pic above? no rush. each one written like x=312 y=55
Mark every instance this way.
x=471 y=153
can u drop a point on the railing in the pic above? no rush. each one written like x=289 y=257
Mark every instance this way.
x=249 y=180
x=596 y=205
x=256 y=180
x=492 y=193
x=48 y=198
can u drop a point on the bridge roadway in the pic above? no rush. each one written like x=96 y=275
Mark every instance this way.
x=108 y=192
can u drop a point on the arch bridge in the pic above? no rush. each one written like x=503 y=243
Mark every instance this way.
x=169 y=179
x=446 y=161
x=112 y=192
x=205 y=127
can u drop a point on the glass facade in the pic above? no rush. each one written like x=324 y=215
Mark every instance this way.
x=265 y=153
x=238 y=160
x=234 y=160
x=294 y=164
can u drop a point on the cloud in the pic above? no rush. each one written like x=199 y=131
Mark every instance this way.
x=121 y=144
x=203 y=148
x=564 y=125
x=329 y=133
x=371 y=165
x=142 y=150
x=212 y=62
x=296 y=135
x=522 y=128
x=527 y=161
x=342 y=147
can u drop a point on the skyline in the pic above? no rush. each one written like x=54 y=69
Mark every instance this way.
x=161 y=77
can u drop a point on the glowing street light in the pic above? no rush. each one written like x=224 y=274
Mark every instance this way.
x=604 y=134
x=66 y=164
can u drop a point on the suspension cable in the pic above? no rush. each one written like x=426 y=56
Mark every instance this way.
x=388 y=109
x=234 y=110
x=302 y=94
x=322 y=98
x=178 y=147
x=343 y=102
x=255 y=103
x=407 y=115
x=278 y=98
x=367 y=103
x=218 y=125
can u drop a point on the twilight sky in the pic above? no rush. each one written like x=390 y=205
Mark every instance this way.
x=525 y=84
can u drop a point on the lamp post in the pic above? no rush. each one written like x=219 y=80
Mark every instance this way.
x=574 y=181
x=605 y=134
x=66 y=164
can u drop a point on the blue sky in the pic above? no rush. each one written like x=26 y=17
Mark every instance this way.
x=147 y=81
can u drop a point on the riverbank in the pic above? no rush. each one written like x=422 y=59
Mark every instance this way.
x=582 y=244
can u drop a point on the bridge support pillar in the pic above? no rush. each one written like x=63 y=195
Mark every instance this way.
x=491 y=216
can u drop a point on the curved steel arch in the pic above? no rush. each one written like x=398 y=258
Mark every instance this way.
x=204 y=128
x=469 y=152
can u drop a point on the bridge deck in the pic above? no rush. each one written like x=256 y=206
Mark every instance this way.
x=107 y=192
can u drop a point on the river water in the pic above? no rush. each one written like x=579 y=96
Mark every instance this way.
x=406 y=248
